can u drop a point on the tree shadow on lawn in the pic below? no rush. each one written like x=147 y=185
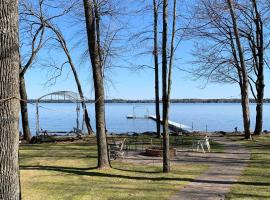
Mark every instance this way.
x=137 y=171
x=243 y=196
x=86 y=172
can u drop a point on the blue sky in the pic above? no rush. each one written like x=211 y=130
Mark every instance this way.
x=126 y=83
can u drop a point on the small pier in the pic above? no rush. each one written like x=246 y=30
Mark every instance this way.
x=137 y=117
x=174 y=126
x=134 y=116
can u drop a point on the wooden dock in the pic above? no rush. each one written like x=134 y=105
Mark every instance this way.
x=174 y=126
x=137 y=117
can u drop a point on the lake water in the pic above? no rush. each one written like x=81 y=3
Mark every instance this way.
x=213 y=116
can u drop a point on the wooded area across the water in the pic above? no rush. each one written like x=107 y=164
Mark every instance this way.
x=152 y=101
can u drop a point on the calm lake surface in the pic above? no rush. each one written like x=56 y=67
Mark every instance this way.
x=214 y=116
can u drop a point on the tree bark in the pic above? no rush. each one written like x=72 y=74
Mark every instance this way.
x=246 y=112
x=24 y=111
x=103 y=159
x=245 y=84
x=259 y=118
x=166 y=144
x=9 y=105
x=155 y=52
x=260 y=70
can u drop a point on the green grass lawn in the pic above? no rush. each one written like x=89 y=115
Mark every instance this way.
x=255 y=181
x=67 y=171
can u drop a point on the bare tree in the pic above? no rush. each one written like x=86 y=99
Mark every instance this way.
x=93 y=35
x=155 y=53
x=149 y=32
x=257 y=46
x=166 y=142
x=9 y=104
x=166 y=80
x=36 y=36
x=222 y=55
x=62 y=41
x=39 y=17
x=244 y=73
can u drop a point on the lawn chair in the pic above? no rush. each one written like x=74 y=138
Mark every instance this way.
x=117 y=150
x=200 y=144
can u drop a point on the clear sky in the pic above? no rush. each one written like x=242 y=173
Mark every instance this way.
x=124 y=83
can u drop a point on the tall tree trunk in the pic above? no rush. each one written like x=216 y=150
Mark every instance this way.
x=24 y=110
x=171 y=56
x=259 y=114
x=103 y=159
x=9 y=105
x=155 y=52
x=167 y=83
x=260 y=70
x=245 y=110
x=245 y=84
x=63 y=43
x=166 y=142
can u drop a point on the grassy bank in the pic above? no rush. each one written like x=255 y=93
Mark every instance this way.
x=255 y=181
x=67 y=171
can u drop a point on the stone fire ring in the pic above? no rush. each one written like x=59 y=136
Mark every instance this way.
x=158 y=152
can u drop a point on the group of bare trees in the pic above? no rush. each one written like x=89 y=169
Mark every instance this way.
x=231 y=37
x=39 y=28
x=232 y=40
x=37 y=25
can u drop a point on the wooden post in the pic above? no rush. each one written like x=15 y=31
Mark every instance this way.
x=83 y=121
x=37 y=119
x=77 y=120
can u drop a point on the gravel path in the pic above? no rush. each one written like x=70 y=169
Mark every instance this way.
x=225 y=169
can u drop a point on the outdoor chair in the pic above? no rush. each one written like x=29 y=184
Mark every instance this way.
x=117 y=149
x=201 y=144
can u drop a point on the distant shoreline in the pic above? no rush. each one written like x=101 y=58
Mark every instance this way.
x=153 y=101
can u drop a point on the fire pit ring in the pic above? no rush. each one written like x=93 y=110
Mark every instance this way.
x=158 y=152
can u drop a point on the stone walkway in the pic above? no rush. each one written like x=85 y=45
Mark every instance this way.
x=224 y=169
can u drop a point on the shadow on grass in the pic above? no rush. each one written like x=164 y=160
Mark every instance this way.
x=257 y=196
x=85 y=172
x=138 y=171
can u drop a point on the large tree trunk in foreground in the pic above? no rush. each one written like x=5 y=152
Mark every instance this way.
x=9 y=105
x=24 y=111
x=245 y=84
x=155 y=52
x=103 y=159
x=167 y=82
x=166 y=144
